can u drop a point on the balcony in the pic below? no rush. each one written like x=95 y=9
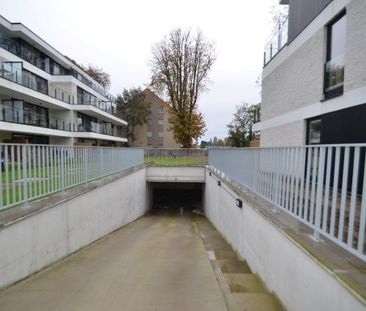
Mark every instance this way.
x=37 y=122
x=13 y=71
x=106 y=106
x=277 y=42
x=32 y=55
x=101 y=128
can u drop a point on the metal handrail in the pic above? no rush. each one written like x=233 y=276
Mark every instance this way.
x=32 y=171
x=322 y=186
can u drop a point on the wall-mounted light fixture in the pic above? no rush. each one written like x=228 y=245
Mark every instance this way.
x=239 y=203
x=219 y=183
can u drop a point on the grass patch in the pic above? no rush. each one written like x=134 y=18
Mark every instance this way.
x=174 y=161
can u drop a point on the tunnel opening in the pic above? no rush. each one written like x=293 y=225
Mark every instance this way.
x=176 y=198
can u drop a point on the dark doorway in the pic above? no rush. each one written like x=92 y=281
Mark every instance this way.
x=177 y=198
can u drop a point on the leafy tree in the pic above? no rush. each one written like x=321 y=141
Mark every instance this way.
x=135 y=109
x=203 y=144
x=180 y=65
x=240 y=128
x=98 y=74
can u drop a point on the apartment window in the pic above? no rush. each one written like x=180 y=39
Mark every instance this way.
x=149 y=134
x=85 y=98
x=314 y=131
x=87 y=123
x=12 y=71
x=19 y=112
x=161 y=110
x=149 y=122
x=161 y=134
x=161 y=122
x=336 y=48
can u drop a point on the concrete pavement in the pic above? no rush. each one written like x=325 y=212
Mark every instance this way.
x=155 y=263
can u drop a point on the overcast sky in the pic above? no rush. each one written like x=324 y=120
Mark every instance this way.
x=118 y=35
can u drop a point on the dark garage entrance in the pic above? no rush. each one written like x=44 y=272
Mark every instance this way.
x=181 y=198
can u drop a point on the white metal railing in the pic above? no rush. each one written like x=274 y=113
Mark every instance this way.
x=175 y=156
x=32 y=171
x=323 y=186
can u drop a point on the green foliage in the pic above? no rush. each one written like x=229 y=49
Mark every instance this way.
x=99 y=75
x=214 y=142
x=135 y=109
x=240 y=128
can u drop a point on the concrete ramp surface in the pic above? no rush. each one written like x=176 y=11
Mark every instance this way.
x=170 y=259
x=155 y=263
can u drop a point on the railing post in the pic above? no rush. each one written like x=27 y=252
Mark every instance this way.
x=85 y=166
x=101 y=159
x=319 y=194
x=25 y=181
x=62 y=170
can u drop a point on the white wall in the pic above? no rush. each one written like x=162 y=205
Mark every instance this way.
x=33 y=243
x=299 y=282
x=175 y=174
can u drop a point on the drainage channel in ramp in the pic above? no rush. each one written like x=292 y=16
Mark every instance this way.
x=242 y=290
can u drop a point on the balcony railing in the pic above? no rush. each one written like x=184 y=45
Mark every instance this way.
x=102 y=128
x=13 y=71
x=62 y=125
x=105 y=106
x=322 y=186
x=33 y=171
x=278 y=41
x=29 y=53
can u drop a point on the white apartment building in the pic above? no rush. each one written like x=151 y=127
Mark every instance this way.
x=314 y=77
x=46 y=99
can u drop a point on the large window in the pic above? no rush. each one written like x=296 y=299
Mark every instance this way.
x=26 y=51
x=85 y=98
x=87 y=123
x=34 y=82
x=18 y=111
x=336 y=48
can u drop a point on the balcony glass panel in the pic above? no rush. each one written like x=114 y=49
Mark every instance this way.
x=277 y=42
x=17 y=111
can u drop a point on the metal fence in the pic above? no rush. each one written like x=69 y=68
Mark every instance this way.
x=32 y=171
x=322 y=186
x=186 y=157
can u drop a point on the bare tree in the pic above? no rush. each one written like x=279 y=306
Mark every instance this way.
x=180 y=66
x=279 y=14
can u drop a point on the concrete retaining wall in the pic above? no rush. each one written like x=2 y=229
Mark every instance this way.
x=30 y=244
x=175 y=174
x=299 y=282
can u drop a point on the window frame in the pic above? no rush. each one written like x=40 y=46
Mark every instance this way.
x=338 y=91
x=308 y=122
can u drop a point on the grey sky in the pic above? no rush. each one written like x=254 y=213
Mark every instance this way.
x=117 y=36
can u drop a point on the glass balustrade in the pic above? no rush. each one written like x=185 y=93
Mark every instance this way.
x=277 y=42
